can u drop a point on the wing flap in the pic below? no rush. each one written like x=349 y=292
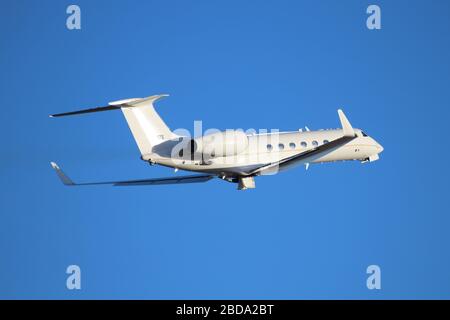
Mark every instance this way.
x=172 y=180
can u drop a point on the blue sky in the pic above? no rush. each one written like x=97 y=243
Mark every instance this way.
x=233 y=64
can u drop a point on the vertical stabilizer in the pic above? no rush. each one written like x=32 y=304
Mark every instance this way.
x=146 y=125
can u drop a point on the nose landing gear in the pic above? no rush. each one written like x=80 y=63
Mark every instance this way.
x=373 y=158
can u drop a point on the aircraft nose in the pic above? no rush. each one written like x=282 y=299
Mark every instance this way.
x=379 y=147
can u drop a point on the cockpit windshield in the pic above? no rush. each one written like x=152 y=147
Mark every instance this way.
x=364 y=134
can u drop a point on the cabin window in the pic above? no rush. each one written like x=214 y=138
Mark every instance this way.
x=281 y=146
x=304 y=144
x=269 y=147
x=325 y=141
x=315 y=143
x=181 y=153
x=292 y=145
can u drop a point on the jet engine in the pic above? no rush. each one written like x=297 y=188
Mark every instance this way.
x=220 y=144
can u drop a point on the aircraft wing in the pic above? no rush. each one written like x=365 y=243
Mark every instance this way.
x=315 y=153
x=144 y=182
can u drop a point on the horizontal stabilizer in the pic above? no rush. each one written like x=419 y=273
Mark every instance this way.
x=114 y=105
x=144 y=182
x=72 y=113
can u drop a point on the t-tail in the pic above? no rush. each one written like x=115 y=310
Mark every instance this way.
x=146 y=125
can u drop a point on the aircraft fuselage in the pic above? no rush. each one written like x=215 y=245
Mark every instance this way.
x=272 y=147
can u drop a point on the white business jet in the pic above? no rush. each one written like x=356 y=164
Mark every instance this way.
x=231 y=155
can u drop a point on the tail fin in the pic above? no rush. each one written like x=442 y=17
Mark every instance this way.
x=146 y=125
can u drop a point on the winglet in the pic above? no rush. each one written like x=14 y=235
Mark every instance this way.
x=346 y=126
x=64 y=179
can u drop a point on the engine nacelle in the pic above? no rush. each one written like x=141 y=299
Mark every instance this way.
x=221 y=144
